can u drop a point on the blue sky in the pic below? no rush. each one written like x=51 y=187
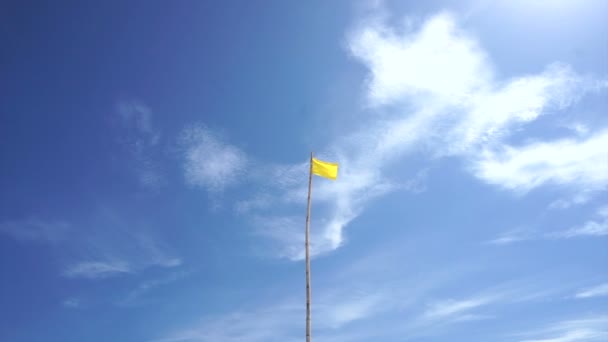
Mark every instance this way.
x=154 y=170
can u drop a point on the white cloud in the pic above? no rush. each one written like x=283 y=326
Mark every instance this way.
x=281 y=319
x=33 y=229
x=210 y=162
x=139 y=116
x=455 y=308
x=342 y=201
x=415 y=64
x=467 y=111
x=134 y=296
x=141 y=140
x=72 y=303
x=578 y=199
x=590 y=228
x=459 y=103
x=582 y=163
x=118 y=252
x=597 y=227
x=589 y=330
x=603 y=211
x=374 y=298
x=107 y=248
x=274 y=322
x=442 y=103
x=97 y=269
x=596 y=291
x=512 y=236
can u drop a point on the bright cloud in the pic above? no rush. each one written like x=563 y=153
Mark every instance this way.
x=416 y=64
x=596 y=291
x=209 y=162
x=448 y=105
x=455 y=308
x=567 y=161
x=589 y=329
x=590 y=228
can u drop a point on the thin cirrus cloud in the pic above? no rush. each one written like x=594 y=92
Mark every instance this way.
x=208 y=161
x=596 y=291
x=72 y=303
x=33 y=229
x=596 y=227
x=102 y=259
x=142 y=141
x=113 y=250
x=446 y=104
x=139 y=293
x=263 y=324
x=97 y=269
x=120 y=251
x=589 y=329
x=365 y=301
x=458 y=309
x=279 y=319
x=107 y=267
x=589 y=228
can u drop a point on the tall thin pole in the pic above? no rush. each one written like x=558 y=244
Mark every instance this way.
x=307 y=244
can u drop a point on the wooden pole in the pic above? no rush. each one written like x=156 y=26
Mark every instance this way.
x=307 y=245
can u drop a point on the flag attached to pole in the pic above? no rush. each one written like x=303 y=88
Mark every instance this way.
x=324 y=169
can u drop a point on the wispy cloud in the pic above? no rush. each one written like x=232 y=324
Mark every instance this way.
x=442 y=104
x=588 y=329
x=101 y=248
x=596 y=291
x=33 y=229
x=515 y=235
x=589 y=228
x=119 y=253
x=597 y=227
x=281 y=321
x=455 y=309
x=72 y=303
x=141 y=140
x=337 y=309
x=134 y=297
x=364 y=301
x=208 y=161
x=577 y=199
x=97 y=269
x=275 y=322
x=575 y=162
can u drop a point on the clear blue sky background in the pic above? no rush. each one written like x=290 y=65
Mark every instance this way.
x=153 y=170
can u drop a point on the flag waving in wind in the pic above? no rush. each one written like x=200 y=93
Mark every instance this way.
x=324 y=169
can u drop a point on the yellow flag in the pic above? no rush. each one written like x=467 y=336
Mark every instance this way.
x=324 y=169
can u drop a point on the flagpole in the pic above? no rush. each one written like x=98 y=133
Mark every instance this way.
x=307 y=245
